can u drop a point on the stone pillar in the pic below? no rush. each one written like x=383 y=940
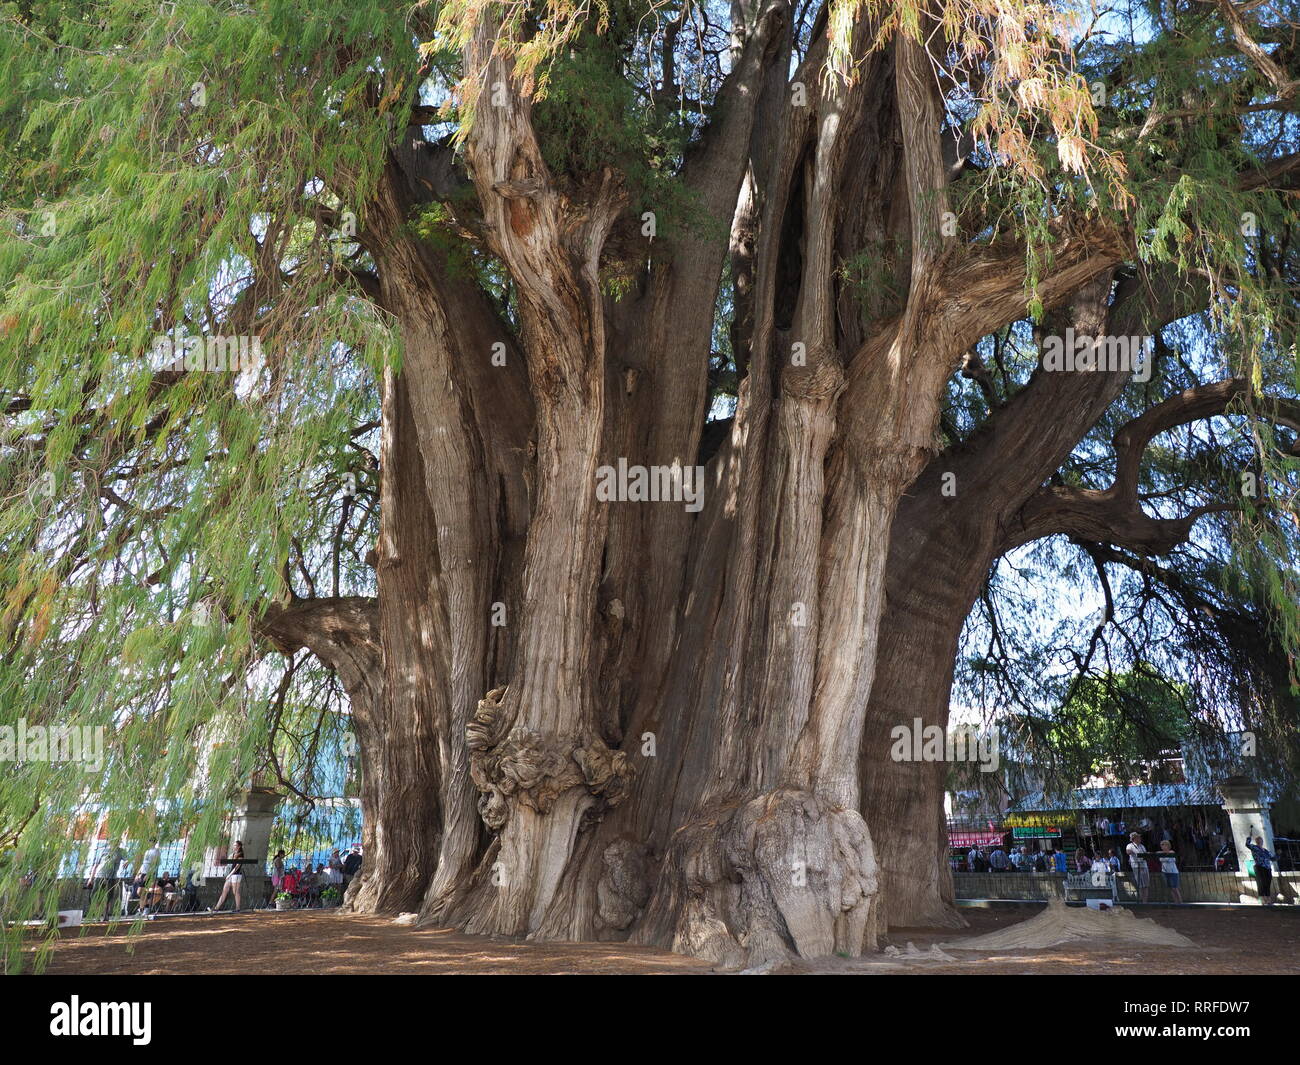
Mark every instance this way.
x=1248 y=817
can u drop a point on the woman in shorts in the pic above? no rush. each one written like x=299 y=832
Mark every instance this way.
x=234 y=878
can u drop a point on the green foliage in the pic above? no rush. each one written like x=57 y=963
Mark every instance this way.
x=1188 y=117
x=592 y=118
x=435 y=223
x=1121 y=719
x=165 y=170
x=588 y=118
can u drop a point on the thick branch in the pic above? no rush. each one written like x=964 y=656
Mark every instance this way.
x=1114 y=515
x=342 y=631
x=975 y=295
x=1250 y=48
x=714 y=167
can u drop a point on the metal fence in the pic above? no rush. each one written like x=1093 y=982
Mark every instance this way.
x=313 y=837
x=1194 y=886
x=304 y=837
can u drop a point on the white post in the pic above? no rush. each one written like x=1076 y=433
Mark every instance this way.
x=1248 y=817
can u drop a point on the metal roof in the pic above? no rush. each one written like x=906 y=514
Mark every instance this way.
x=1133 y=797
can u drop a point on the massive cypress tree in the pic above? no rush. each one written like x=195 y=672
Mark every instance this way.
x=499 y=258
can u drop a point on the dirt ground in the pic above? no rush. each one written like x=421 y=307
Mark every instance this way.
x=1239 y=941
x=306 y=942
x=1229 y=941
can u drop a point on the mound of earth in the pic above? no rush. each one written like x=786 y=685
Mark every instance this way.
x=1060 y=923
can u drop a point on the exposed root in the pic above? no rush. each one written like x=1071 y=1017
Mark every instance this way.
x=624 y=884
x=753 y=885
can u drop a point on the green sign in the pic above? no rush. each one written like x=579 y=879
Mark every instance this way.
x=1035 y=832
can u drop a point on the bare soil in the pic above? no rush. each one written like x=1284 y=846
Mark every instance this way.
x=324 y=942
x=1238 y=941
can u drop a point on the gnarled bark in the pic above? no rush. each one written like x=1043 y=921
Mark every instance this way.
x=679 y=734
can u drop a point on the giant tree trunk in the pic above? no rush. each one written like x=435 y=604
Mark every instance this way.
x=665 y=739
x=942 y=547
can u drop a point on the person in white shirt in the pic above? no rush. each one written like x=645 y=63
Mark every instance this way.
x=1169 y=866
x=149 y=863
x=1137 y=860
x=1100 y=872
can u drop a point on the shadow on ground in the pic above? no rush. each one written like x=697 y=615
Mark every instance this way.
x=1240 y=941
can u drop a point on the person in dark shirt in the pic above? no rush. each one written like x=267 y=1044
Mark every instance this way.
x=351 y=866
x=167 y=892
x=234 y=879
x=1263 y=869
x=134 y=890
x=102 y=881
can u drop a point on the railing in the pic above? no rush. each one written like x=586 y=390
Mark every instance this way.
x=315 y=837
x=1194 y=885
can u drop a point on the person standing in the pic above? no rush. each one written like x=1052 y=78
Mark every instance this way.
x=351 y=866
x=1169 y=866
x=334 y=873
x=1137 y=860
x=1060 y=862
x=149 y=863
x=103 y=880
x=1263 y=869
x=998 y=860
x=234 y=878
